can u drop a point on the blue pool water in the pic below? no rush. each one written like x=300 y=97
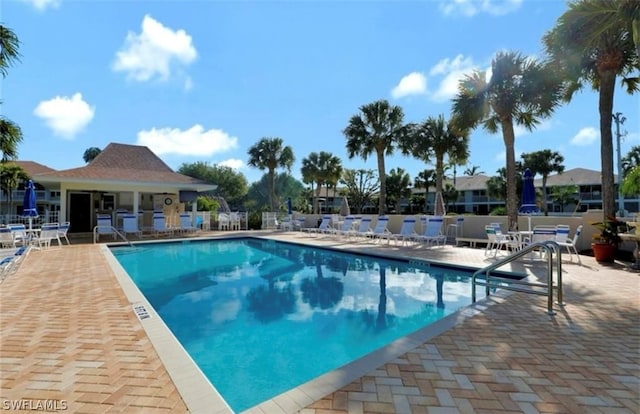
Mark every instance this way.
x=261 y=317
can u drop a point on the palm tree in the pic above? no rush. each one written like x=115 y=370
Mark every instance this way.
x=10 y=175
x=9 y=45
x=398 y=187
x=631 y=160
x=376 y=129
x=10 y=137
x=437 y=138
x=270 y=154
x=543 y=162
x=425 y=179
x=521 y=91
x=332 y=171
x=90 y=154
x=321 y=169
x=10 y=133
x=584 y=51
x=311 y=175
x=473 y=171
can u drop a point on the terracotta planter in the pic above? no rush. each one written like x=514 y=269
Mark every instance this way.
x=604 y=252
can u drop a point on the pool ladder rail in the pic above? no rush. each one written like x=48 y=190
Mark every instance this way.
x=536 y=288
x=111 y=229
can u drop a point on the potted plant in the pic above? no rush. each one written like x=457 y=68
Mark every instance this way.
x=605 y=244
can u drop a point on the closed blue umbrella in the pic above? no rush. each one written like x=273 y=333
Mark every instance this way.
x=528 y=204
x=289 y=208
x=29 y=208
x=528 y=201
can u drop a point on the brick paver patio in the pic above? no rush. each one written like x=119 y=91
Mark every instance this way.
x=68 y=333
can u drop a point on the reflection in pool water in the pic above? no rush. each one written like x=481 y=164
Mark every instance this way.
x=261 y=317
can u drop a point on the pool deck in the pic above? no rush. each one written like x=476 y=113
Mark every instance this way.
x=69 y=335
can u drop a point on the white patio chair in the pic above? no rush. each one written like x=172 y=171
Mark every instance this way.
x=364 y=228
x=407 y=231
x=380 y=231
x=130 y=225
x=325 y=225
x=570 y=244
x=160 y=225
x=185 y=223
x=6 y=238
x=345 y=227
x=48 y=232
x=63 y=229
x=497 y=241
x=19 y=233
x=223 y=221
x=104 y=227
x=433 y=232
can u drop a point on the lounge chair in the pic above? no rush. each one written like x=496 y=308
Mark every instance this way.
x=10 y=259
x=130 y=225
x=380 y=231
x=407 y=231
x=63 y=229
x=19 y=233
x=185 y=223
x=322 y=228
x=104 y=227
x=6 y=238
x=298 y=223
x=432 y=232
x=160 y=225
x=363 y=229
x=345 y=227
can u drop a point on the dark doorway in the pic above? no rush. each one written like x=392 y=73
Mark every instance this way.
x=80 y=213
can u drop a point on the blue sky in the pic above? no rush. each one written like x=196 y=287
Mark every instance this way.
x=205 y=80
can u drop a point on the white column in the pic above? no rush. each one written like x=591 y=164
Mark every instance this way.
x=62 y=214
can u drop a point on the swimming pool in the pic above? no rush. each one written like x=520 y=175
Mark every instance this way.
x=261 y=317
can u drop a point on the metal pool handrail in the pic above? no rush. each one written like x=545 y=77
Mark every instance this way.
x=551 y=247
x=114 y=230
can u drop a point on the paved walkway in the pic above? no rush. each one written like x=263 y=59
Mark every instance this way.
x=68 y=333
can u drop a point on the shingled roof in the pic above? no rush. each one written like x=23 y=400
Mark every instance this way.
x=123 y=162
x=32 y=168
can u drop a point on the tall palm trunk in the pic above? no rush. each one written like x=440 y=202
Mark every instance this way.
x=512 y=192
x=272 y=186
x=383 y=183
x=605 y=107
x=317 y=198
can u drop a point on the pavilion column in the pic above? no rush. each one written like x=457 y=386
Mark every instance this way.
x=62 y=214
x=136 y=201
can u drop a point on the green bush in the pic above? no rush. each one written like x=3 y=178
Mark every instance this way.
x=498 y=211
x=254 y=220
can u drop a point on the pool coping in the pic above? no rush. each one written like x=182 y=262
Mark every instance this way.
x=201 y=396
x=197 y=392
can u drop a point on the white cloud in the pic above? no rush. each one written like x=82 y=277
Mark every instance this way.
x=152 y=53
x=65 y=116
x=414 y=83
x=194 y=141
x=469 y=8
x=452 y=71
x=42 y=5
x=586 y=136
x=234 y=163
